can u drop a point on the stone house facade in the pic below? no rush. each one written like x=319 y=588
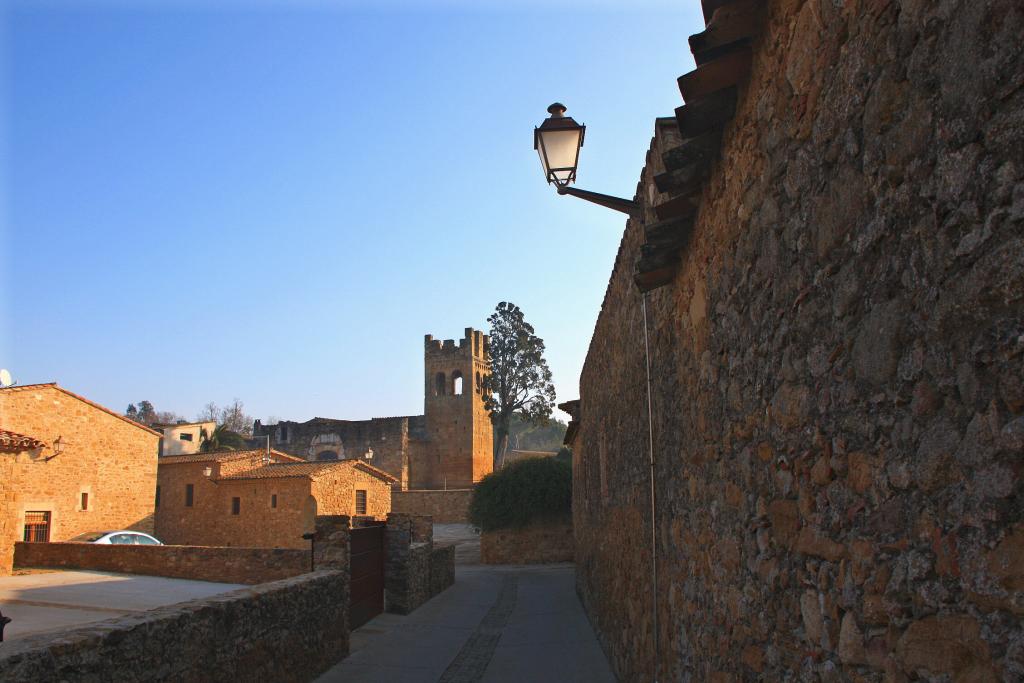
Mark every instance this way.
x=250 y=499
x=183 y=438
x=82 y=468
x=449 y=446
x=829 y=264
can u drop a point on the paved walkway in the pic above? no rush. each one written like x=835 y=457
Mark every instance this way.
x=495 y=625
x=58 y=600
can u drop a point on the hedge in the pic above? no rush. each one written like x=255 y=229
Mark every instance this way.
x=522 y=492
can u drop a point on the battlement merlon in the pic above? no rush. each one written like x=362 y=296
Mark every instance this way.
x=474 y=341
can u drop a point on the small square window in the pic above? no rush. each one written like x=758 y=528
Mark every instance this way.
x=185 y=436
x=85 y=500
x=236 y=505
x=360 y=502
x=273 y=500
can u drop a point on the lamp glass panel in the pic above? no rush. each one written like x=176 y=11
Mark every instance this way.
x=561 y=147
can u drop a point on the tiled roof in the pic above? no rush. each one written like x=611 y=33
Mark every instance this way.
x=32 y=387
x=12 y=441
x=305 y=469
x=370 y=469
x=277 y=471
x=723 y=54
x=224 y=456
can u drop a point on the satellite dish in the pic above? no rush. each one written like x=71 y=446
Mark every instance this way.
x=5 y=378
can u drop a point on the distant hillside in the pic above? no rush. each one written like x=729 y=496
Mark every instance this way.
x=533 y=436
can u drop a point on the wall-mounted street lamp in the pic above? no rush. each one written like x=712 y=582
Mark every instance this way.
x=558 y=141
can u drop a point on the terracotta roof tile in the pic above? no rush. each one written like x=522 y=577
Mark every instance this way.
x=12 y=441
x=224 y=456
x=305 y=469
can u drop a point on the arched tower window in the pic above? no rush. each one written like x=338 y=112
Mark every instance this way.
x=457 y=383
x=326 y=455
x=479 y=384
x=439 y=383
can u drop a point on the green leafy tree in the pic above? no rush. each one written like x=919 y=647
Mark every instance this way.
x=220 y=439
x=519 y=381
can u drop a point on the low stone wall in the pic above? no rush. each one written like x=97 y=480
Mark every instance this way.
x=535 y=544
x=228 y=565
x=442 y=567
x=415 y=569
x=444 y=506
x=288 y=630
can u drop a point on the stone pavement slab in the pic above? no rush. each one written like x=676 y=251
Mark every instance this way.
x=57 y=600
x=496 y=624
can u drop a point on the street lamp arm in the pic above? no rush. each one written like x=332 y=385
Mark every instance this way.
x=626 y=206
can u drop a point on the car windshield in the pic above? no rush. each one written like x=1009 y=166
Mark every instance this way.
x=90 y=537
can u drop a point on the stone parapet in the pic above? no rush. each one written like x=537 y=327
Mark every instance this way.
x=536 y=544
x=414 y=570
x=201 y=563
x=288 y=630
x=442 y=567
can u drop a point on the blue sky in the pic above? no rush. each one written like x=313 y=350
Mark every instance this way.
x=277 y=202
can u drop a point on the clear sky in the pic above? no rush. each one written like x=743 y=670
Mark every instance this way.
x=276 y=201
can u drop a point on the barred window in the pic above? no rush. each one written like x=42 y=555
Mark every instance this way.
x=360 y=502
x=37 y=527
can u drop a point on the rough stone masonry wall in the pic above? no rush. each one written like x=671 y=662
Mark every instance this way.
x=227 y=565
x=838 y=385
x=288 y=630
x=540 y=543
x=415 y=569
x=387 y=436
x=9 y=523
x=209 y=520
x=443 y=506
x=110 y=458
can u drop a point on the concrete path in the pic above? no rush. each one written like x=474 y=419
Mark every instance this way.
x=57 y=600
x=495 y=625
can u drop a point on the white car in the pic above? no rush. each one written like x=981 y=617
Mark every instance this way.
x=116 y=538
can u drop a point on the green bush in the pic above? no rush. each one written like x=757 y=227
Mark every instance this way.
x=534 y=489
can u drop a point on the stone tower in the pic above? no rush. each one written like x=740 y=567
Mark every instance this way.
x=458 y=427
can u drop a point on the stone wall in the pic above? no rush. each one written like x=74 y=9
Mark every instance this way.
x=274 y=511
x=443 y=506
x=325 y=438
x=288 y=630
x=209 y=520
x=9 y=523
x=540 y=543
x=415 y=570
x=227 y=565
x=837 y=362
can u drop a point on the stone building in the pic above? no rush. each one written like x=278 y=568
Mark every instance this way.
x=252 y=499
x=449 y=446
x=68 y=466
x=829 y=258
x=183 y=438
